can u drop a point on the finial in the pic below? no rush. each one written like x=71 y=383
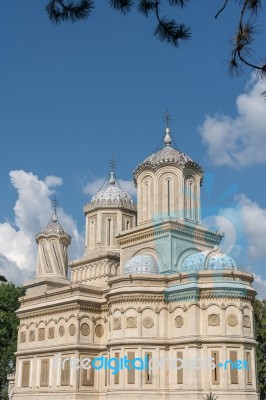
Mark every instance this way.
x=54 y=204
x=112 y=164
x=168 y=118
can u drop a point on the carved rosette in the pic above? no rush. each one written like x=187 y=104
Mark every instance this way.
x=117 y=323
x=99 y=330
x=148 y=322
x=84 y=329
x=72 y=329
x=131 y=322
x=246 y=321
x=232 y=320
x=179 y=321
x=214 y=319
x=61 y=331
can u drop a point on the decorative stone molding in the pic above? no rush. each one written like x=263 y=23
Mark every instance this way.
x=179 y=321
x=32 y=336
x=214 y=320
x=117 y=323
x=51 y=332
x=99 y=330
x=72 y=329
x=232 y=320
x=148 y=322
x=246 y=321
x=131 y=322
x=41 y=333
x=61 y=330
x=23 y=337
x=84 y=329
x=55 y=349
x=188 y=340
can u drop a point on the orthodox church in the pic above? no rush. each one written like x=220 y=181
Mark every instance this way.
x=153 y=309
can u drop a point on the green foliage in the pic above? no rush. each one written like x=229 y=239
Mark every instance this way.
x=9 y=294
x=260 y=332
x=210 y=396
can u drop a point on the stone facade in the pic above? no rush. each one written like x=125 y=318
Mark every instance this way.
x=188 y=301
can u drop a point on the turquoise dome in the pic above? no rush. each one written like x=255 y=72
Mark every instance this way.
x=208 y=259
x=141 y=264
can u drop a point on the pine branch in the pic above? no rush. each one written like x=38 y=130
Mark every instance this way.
x=124 y=6
x=60 y=10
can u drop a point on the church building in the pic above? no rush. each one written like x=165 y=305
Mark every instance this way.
x=154 y=310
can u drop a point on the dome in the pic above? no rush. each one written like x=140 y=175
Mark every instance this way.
x=141 y=264
x=111 y=195
x=167 y=155
x=53 y=228
x=209 y=259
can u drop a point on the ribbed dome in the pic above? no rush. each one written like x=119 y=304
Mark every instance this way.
x=209 y=259
x=167 y=155
x=112 y=195
x=141 y=264
x=53 y=228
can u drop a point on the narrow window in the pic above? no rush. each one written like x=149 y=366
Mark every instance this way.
x=128 y=224
x=109 y=232
x=116 y=376
x=148 y=372
x=168 y=197
x=215 y=371
x=44 y=380
x=179 y=356
x=131 y=372
x=65 y=372
x=233 y=371
x=25 y=374
x=248 y=371
x=58 y=264
x=87 y=376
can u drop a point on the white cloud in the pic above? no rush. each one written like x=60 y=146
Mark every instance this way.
x=244 y=226
x=260 y=286
x=18 y=249
x=239 y=141
x=91 y=188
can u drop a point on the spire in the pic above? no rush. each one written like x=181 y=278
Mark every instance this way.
x=167 y=139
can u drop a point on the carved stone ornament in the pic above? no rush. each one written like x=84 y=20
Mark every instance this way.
x=131 y=322
x=179 y=321
x=85 y=329
x=148 y=322
x=22 y=337
x=214 y=319
x=61 y=331
x=41 y=333
x=32 y=336
x=203 y=306
x=117 y=323
x=246 y=321
x=51 y=333
x=232 y=320
x=99 y=331
x=72 y=329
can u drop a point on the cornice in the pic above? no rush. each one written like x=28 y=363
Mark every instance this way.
x=52 y=349
x=180 y=341
x=162 y=228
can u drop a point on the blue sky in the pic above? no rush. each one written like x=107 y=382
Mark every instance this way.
x=74 y=95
